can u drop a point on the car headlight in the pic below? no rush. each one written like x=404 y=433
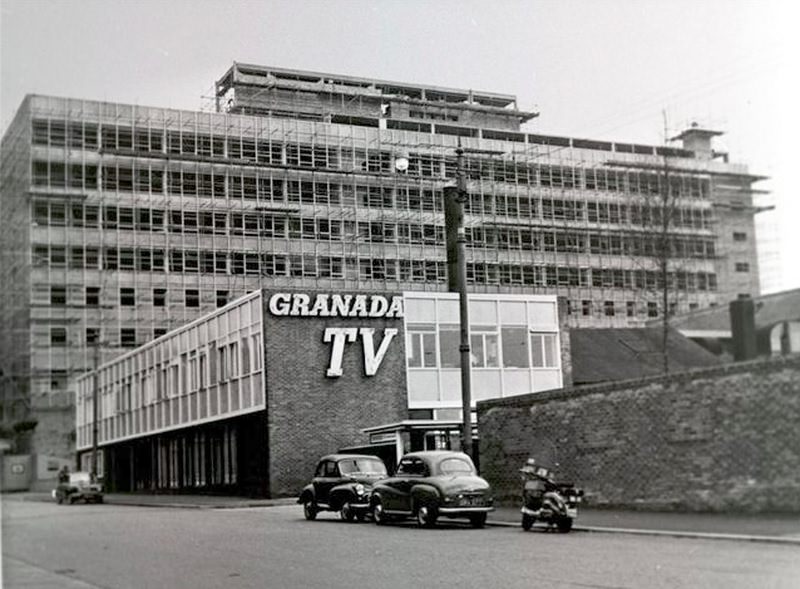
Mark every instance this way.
x=359 y=489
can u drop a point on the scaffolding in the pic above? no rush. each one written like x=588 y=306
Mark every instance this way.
x=122 y=222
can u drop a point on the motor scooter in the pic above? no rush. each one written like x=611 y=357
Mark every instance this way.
x=545 y=501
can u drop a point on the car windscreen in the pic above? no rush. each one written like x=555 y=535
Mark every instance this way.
x=352 y=466
x=455 y=466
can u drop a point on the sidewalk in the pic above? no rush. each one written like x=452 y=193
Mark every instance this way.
x=784 y=528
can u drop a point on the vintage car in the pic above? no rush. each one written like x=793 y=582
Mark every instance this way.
x=79 y=487
x=429 y=484
x=343 y=483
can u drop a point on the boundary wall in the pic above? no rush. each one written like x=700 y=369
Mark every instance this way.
x=719 y=439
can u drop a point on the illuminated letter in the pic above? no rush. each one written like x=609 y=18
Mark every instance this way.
x=300 y=305
x=340 y=306
x=279 y=304
x=339 y=336
x=320 y=308
x=378 y=306
x=372 y=360
x=359 y=307
x=396 y=308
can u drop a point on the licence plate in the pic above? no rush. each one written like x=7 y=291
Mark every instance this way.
x=572 y=512
x=472 y=501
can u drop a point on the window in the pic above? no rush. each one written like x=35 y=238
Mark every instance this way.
x=158 y=332
x=515 y=347
x=608 y=308
x=92 y=296
x=92 y=336
x=484 y=349
x=58 y=336
x=543 y=350
x=222 y=298
x=586 y=308
x=742 y=267
x=449 y=342
x=159 y=297
x=421 y=346
x=127 y=297
x=245 y=357
x=58 y=295
x=630 y=307
x=652 y=310
x=192 y=297
x=127 y=337
x=739 y=236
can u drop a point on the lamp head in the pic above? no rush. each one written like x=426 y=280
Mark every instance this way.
x=401 y=162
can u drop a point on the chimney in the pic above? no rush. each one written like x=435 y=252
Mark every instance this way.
x=743 y=329
x=698 y=140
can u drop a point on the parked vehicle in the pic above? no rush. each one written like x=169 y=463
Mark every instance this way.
x=79 y=487
x=342 y=482
x=544 y=500
x=432 y=484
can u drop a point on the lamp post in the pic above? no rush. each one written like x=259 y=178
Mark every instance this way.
x=454 y=198
x=455 y=195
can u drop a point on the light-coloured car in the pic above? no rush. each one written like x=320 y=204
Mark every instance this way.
x=79 y=487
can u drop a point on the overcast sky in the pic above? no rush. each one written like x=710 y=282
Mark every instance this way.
x=603 y=69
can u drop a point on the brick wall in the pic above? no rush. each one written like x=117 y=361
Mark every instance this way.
x=310 y=414
x=720 y=439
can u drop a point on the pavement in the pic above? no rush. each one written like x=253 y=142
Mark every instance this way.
x=775 y=528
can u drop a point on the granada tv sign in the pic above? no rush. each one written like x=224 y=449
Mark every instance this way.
x=361 y=306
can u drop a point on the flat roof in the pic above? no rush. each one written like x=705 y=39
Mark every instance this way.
x=490 y=98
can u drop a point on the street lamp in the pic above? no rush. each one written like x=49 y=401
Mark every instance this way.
x=455 y=195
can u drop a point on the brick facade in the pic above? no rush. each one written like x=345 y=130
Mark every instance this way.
x=720 y=439
x=310 y=414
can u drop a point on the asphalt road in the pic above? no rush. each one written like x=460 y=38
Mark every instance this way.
x=274 y=547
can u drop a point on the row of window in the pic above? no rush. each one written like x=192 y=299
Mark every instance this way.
x=324 y=229
x=131 y=296
x=490 y=347
x=308 y=265
x=120 y=139
x=276 y=190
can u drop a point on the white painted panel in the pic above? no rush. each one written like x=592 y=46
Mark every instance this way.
x=513 y=313
x=448 y=311
x=483 y=312
x=423 y=387
x=545 y=380
x=516 y=382
x=486 y=384
x=542 y=314
x=451 y=385
x=420 y=310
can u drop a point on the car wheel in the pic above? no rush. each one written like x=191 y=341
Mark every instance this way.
x=99 y=500
x=72 y=499
x=378 y=514
x=565 y=524
x=477 y=520
x=309 y=509
x=361 y=516
x=527 y=522
x=59 y=498
x=346 y=512
x=427 y=514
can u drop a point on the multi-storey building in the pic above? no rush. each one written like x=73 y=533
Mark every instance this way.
x=120 y=222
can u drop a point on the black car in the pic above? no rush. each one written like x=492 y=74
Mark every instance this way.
x=429 y=484
x=343 y=483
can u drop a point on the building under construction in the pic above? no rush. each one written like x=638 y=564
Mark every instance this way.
x=121 y=222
